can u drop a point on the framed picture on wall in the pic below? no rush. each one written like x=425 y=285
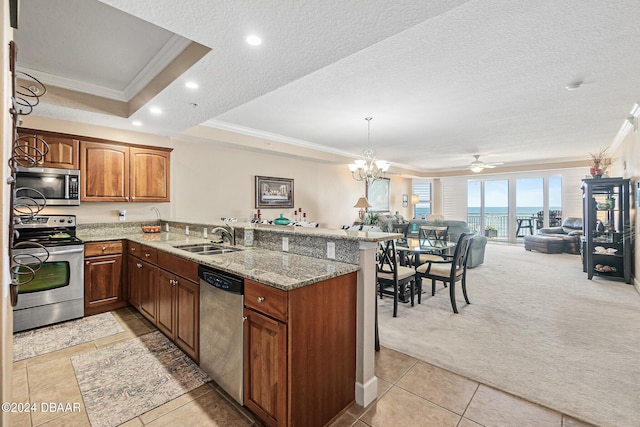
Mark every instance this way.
x=273 y=192
x=379 y=196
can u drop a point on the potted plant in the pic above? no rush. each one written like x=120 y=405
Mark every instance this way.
x=490 y=231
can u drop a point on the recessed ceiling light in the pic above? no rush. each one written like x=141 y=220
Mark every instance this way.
x=155 y=110
x=136 y=123
x=574 y=85
x=254 y=40
x=191 y=85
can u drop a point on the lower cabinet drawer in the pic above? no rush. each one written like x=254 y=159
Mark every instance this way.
x=179 y=266
x=103 y=248
x=266 y=299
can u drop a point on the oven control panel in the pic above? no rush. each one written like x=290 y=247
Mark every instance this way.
x=45 y=221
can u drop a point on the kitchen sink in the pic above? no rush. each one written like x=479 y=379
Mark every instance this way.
x=208 y=249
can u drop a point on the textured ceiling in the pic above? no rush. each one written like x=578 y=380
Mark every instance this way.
x=443 y=80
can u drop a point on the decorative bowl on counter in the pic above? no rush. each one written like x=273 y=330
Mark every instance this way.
x=151 y=228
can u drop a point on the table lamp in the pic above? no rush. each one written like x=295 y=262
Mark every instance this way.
x=363 y=204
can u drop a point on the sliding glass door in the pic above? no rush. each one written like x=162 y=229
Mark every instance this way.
x=488 y=207
x=509 y=209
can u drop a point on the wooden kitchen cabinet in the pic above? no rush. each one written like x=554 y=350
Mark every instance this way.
x=164 y=288
x=104 y=287
x=105 y=172
x=148 y=175
x=178 y=311
x=63 y=150
x=122 y=173
x=143 y=280
x=299 y=351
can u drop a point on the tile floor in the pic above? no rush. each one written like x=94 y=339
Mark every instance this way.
x=410 y=393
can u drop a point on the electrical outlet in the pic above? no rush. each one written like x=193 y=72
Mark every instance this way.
x=186 y=230
x=285 y=244
x=122 y=215
x=204 y=232
x=331 y=250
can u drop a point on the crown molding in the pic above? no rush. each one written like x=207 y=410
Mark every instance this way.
x=170 y=51
x=74 y=85
x=626 y=127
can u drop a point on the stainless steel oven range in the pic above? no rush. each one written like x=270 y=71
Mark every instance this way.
x=56 y=293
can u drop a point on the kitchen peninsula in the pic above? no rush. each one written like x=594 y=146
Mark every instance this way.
x=310 y=294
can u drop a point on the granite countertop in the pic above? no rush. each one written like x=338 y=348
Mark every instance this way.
x=281 y=270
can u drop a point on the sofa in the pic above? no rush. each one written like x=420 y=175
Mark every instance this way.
x=547 y=240
x=456 y=228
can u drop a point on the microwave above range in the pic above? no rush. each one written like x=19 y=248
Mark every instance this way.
x=59 y=187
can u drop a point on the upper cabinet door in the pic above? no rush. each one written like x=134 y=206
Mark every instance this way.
x=63 y=151
x=104 y=172
x=149 y=175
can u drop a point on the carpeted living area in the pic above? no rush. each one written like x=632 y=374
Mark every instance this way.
x=536 y=328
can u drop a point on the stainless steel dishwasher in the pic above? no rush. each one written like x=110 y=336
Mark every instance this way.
x=221 y=338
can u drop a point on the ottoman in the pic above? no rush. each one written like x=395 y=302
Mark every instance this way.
x=546 y=244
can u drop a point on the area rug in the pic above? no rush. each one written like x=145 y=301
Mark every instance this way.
x=536 y=328
x=62 y=335
x=129 y=378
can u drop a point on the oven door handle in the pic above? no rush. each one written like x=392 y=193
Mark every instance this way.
x=52 y=253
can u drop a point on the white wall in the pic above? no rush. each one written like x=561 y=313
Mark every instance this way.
x=214 y=180
x=211 y=179
x=626 y=163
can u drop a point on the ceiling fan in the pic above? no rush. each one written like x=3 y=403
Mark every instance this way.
x=477 y=165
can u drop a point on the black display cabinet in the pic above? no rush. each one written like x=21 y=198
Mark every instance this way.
x=607 y=234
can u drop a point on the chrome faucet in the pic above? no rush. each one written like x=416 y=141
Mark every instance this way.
x=226 y=231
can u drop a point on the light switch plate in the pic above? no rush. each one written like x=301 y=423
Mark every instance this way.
x=285 y=244
x=331 y=250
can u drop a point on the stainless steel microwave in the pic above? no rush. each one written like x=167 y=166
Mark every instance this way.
x=59 y=187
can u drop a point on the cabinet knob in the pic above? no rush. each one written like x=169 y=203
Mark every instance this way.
x=133 y=249
x=260 y=299
x=87 y=262
x=244 y=318
x=147 y=255
x=104 y=248
x=138 y=265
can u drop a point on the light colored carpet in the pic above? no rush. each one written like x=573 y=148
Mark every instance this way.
x=62 y=335
x=536 y=328
x=129 y=378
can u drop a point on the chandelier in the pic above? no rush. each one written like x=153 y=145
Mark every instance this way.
x=368 y=169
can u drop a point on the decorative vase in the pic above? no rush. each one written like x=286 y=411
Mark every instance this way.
x=281 y=220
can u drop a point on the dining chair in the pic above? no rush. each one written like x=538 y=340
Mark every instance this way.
x=449 y=270
x=391 y=274
x=432 y=232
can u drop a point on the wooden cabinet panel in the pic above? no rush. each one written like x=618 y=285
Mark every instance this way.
x=187 y=330
x=105 y=172
x=179 y=266
x=133 y=275
x=63 y=151
x=265 y=368
x=266 y=299
x=149 y=175
x=103 y=284
x=148 y=290
x=148 y=254
x=166 y=317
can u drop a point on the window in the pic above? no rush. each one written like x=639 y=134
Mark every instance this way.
x=423 y=190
